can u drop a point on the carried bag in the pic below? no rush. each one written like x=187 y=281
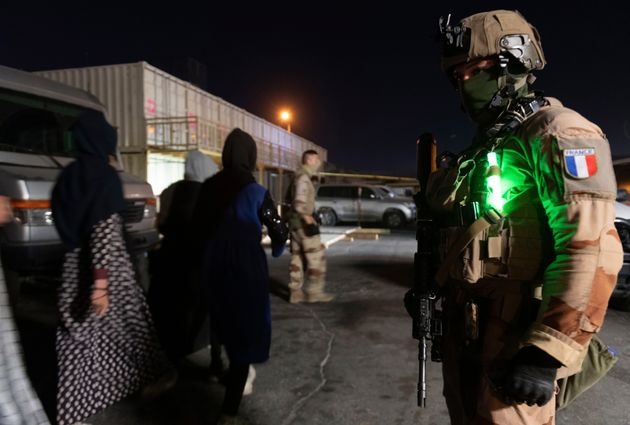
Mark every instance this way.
x=599 y=360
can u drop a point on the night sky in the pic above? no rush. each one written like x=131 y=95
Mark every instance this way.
x=362 y=82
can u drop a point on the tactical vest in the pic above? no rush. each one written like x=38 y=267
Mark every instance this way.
x=480 y=240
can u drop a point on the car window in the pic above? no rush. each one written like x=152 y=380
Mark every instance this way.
x=34 y=125
x=382 y=191
x=367 y=193
x=342 y=192
x=351 y=192
x=387 y=192
x=339 y=192
x=326 y=192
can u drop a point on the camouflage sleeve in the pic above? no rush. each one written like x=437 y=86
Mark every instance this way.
x=576 y=183
x=301 y=194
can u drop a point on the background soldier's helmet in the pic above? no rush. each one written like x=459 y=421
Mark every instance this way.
x=502 y=33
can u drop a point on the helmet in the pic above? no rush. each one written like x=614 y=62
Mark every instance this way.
x=502 y=33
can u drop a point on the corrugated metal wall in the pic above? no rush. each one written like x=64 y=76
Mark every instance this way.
x=157 y=112
x=120 y=88
x=135 y=163
x=182 y=116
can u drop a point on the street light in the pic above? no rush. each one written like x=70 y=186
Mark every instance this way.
x=285 y=117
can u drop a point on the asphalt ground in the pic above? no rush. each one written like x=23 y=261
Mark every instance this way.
x=351 y=361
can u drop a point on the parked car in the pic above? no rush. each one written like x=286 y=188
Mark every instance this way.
x=35 y=144
x=362 y=203
x=621 y=295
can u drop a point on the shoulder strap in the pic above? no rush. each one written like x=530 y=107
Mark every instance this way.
x=520 y=111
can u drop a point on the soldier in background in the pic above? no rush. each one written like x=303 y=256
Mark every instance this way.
x=307 y=250
x=529 y=250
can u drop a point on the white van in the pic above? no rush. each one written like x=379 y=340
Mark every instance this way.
x=35 y=144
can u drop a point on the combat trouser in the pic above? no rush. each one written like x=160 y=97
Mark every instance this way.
x=504 y=316
x=307 y=253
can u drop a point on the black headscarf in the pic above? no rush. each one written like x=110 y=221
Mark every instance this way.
x=219 y=192
x=239 y=152
x=89 y=189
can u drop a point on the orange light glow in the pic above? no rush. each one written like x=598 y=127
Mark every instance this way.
x=285 y=115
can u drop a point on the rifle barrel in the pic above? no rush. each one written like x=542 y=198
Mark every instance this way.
x=422 y=378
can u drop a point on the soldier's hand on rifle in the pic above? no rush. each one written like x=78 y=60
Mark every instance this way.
x=529 y=378
x=412 y=304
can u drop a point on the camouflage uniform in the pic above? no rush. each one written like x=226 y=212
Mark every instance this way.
x=542 y=274
x=307 y=252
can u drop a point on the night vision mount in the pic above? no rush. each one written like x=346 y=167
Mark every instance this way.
x=519 y=48
x=455 y=38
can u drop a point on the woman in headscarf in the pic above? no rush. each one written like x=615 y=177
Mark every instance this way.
x=107 y=348
x=18 y=403
x=176 y=295
x=230 y=213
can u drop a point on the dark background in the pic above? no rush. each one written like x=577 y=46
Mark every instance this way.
x=362 y=82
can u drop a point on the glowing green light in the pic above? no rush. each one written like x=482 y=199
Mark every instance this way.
x=492 y=159
x=493 y=180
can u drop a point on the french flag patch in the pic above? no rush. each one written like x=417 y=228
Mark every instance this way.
x=580 y=163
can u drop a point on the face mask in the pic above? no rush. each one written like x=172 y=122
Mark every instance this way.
x=476 y=93
x=312 y=169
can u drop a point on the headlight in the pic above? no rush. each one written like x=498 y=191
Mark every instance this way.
x=34 y=217
x=149 y=211
x=150 y=208
x=32 y=212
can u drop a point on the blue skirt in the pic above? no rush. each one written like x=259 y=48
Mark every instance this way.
x=237 y=276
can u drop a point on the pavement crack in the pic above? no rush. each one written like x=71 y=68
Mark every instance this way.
x=322 y=372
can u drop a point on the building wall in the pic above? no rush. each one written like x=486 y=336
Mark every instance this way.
x=158 y=115
x=120 y=89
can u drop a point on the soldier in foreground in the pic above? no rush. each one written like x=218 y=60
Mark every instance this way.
x=307 y=250
x=528 y=250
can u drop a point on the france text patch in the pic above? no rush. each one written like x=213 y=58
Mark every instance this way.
x=580 y=163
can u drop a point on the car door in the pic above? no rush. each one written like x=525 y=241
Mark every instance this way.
x=368 y=205
x=346 y=202
x=325 y=197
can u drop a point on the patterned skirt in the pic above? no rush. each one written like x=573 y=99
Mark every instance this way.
x=18 y=403
x=103 y=359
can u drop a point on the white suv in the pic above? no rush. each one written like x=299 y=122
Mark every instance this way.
x=362 y=203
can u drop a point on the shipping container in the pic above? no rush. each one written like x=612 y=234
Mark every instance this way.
x=159 y=116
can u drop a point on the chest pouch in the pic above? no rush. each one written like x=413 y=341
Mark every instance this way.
x=477 y=245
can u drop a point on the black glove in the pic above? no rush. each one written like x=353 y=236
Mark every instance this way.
x=311 y=229
x=529 y=378
x=412 y=304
